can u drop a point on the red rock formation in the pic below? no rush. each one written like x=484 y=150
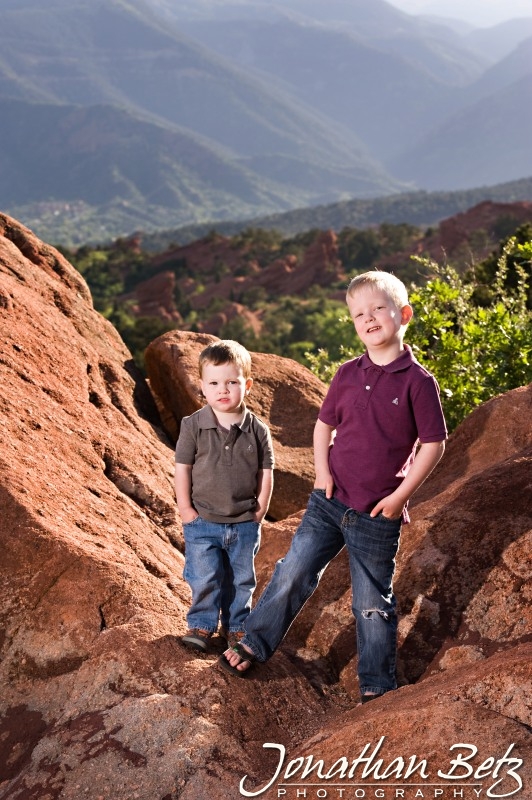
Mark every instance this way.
x=218 y=276
x=457 y=233
x=230 y=311
x=205 y=255
x=154 y=297
x=319 y=266
x=99 y=699
x=467 y=237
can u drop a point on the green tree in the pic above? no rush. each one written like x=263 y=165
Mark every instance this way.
x=518 y=260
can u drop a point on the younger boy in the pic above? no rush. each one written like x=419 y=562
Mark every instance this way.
x=379 y=407
x=223 y=485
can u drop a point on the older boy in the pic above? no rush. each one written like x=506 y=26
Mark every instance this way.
x=380 y=409
x=223 y=484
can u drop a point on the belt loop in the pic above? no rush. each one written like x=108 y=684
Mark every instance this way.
x=347 y=515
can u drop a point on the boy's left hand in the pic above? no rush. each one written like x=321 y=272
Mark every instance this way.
x=390 y=508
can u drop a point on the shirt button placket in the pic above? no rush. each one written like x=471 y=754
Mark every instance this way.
x=228 y=448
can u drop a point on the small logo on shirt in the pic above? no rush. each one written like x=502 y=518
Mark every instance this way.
x=396 y=401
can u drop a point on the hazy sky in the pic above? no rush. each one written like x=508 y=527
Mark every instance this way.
x=481 y=13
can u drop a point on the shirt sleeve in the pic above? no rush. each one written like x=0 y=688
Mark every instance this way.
x=428 y=412
x=266 y=455
x=327 y=413
x=185 y=449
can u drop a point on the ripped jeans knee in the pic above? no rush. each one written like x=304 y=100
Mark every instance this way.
x=367 y=613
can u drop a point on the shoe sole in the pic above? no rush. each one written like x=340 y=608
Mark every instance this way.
x=195 y=644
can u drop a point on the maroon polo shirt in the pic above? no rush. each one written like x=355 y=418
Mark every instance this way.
x=380 y=413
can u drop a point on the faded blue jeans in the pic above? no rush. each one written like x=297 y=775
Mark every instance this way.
x=372 y=544
x=220 y=570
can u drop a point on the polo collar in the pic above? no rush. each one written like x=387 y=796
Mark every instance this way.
x=405 y=360
x=207 y=419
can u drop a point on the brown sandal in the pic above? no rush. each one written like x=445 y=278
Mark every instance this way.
x=243 y=655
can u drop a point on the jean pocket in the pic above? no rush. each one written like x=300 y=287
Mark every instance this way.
x=194 y=521
x=395 y=520
x=380 y=525
x=388 y=527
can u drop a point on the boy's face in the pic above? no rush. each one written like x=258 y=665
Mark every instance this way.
x=378 y=321
x=224 y=386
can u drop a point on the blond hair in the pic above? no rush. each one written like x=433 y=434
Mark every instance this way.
x=226 y=351
x=384 y=281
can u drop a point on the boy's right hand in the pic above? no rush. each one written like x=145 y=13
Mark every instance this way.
x=189 y=516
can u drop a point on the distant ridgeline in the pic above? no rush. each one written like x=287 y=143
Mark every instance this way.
x=422 y=209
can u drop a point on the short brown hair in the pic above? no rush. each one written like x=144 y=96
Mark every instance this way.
x=385 y=281
x=226 y=351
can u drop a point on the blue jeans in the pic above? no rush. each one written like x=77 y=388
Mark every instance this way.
x=220 y=570
x=372 y=544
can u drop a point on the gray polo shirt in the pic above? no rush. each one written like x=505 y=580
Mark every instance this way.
x=225 y=464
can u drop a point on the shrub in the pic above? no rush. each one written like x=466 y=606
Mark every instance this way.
x=475 y=352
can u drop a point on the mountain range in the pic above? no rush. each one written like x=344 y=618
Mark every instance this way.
x=153 y=114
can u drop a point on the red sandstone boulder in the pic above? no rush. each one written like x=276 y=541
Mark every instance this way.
x=477 y=716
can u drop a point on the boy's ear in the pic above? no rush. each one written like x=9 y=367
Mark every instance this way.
x=249 y=384
x=407 y=312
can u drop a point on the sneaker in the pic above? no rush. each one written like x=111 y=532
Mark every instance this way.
x=197 y=639
x=367 y=698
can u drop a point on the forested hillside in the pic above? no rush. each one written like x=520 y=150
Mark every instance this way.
x=470 y=281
